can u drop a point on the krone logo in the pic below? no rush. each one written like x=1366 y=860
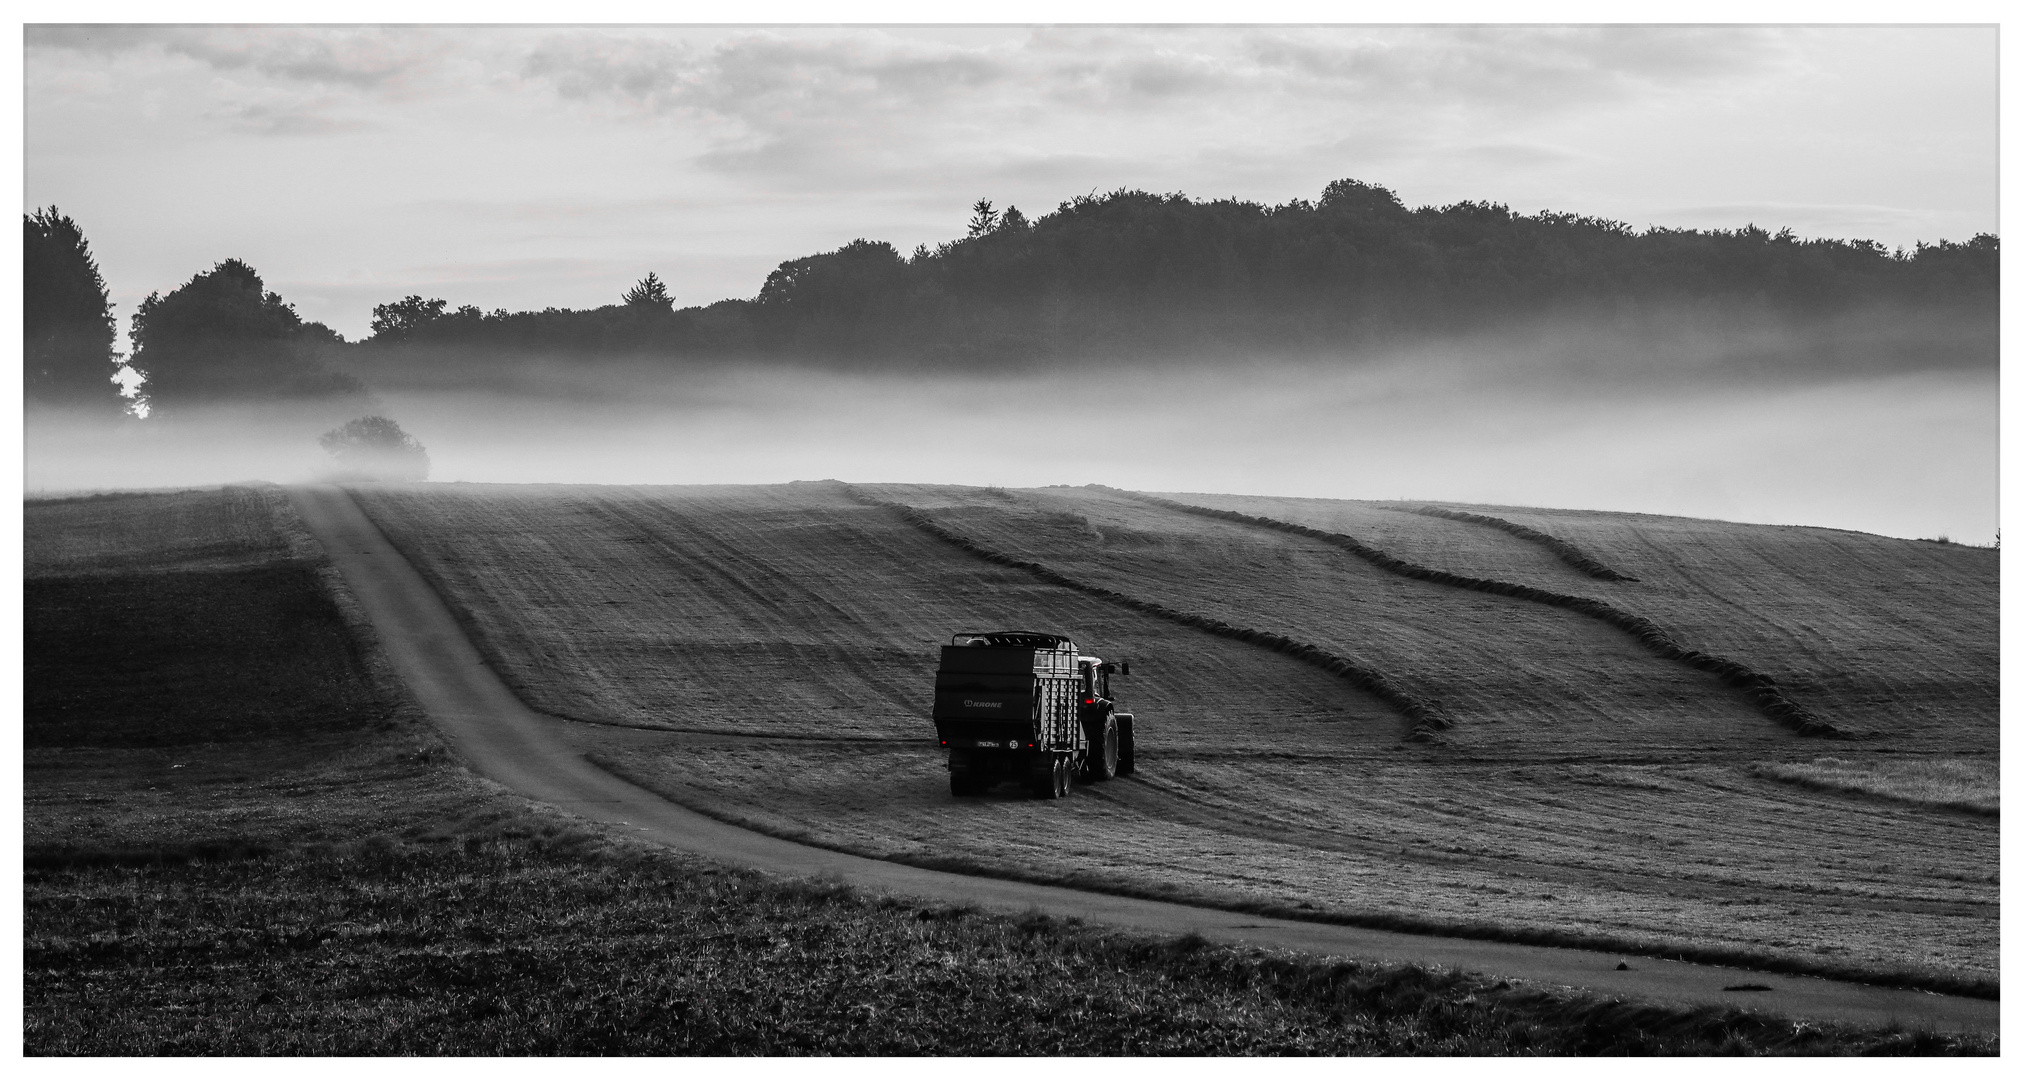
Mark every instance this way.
x=968 y=704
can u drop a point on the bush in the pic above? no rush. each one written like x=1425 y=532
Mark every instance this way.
x=375 y=448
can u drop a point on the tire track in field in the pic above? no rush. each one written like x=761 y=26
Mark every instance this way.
x=1761 y=689
x=664 y=528
x=1565 y=550
x=1426 y=717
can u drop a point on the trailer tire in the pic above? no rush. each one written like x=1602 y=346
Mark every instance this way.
x=1104 y=748
x=1127 y=745
x=1041 y=783
x=1057 y=781
x=963 y=784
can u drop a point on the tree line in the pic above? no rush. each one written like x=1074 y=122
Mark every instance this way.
x=1123 y=271
x=1162 y=270
x=221 y=335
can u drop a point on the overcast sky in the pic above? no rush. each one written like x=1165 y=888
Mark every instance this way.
x=529 y=167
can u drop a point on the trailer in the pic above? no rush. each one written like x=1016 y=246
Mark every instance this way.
x=1029 y=708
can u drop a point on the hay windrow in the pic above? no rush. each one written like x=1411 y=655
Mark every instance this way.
x=1566 y=551
x=1967 y=785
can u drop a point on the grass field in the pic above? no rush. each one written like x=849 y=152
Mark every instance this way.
x=282 y=861
x=764 y=654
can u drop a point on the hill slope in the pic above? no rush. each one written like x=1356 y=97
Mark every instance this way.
x=765 y=654
x=1897 y=638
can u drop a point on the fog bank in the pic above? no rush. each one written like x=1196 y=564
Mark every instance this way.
x=1679 y=429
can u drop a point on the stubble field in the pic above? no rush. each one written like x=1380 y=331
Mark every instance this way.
x=765 y=654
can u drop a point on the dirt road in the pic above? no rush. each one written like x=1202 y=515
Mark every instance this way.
x=499 y=737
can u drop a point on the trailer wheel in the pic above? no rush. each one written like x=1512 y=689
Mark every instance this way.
x=964 y=784
x=1057 y=781
x=1103 y=751
x=1127 y=745
x=1041 y=783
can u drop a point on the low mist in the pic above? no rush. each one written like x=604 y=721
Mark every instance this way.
x=1885 y=426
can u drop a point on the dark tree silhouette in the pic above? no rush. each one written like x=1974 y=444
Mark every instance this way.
x=404 y=318
x=1355 y=197
x=982 y=219
x=838 y=299
x=650 y=294
x=221 y=336
x=375 y=448
x=67 y=325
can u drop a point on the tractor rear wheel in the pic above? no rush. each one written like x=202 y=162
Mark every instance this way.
x=1103 y=750
x=1127 y=745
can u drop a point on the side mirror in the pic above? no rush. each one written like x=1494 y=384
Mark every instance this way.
x=1124 y=668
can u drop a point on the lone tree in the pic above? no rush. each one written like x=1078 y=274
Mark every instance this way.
x=67 y=326
x=375 y=448
x=650 y=294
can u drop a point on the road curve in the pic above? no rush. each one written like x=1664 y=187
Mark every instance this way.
x=499 y=737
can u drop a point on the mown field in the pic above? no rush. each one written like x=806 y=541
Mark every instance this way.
x=765 y=654
x=243 y=839
x=1893 y=637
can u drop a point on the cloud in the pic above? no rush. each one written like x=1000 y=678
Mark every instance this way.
x=769 y=79
x=1528 y=66
x=865 y=103
x=861 y=106
x=367 y=58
